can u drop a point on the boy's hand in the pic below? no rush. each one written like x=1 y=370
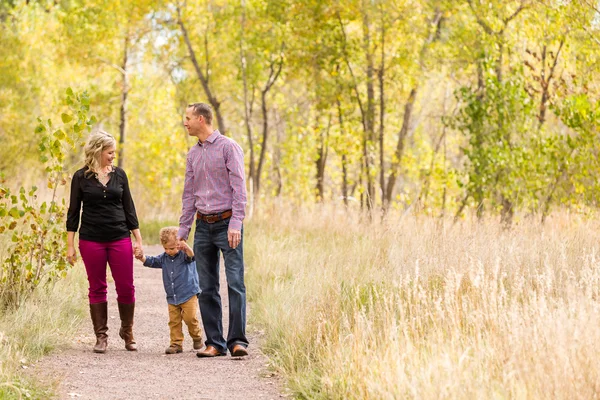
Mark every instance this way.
x=182 y=245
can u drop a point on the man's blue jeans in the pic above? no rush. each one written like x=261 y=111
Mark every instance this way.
x=209 y=240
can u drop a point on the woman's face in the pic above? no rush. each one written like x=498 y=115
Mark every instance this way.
x=107 y=156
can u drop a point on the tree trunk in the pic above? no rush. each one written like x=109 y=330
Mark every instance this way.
x=322 y=160
x=344 y=158
x=273 y=75
x=212 y=99
x=247 y=107
x=380 y=75
x=123 y=109
x=395 y=166
x=370 y=112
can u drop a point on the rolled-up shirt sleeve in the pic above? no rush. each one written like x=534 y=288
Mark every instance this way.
x=235 y=166
x=74 y=205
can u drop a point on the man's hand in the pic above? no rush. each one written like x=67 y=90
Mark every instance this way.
x=234 y=237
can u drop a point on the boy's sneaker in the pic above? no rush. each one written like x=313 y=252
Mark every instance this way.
x=198 y=344
x=173 y=349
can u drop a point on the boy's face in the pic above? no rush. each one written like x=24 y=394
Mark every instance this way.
x=171 y=248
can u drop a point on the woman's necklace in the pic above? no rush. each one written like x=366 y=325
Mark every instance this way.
x=102 y=176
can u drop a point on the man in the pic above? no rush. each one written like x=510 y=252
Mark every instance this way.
x=215 y=195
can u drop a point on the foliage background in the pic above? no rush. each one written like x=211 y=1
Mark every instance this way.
x=434 y=106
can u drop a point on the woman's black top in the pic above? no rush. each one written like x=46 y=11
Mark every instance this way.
x=108 y=211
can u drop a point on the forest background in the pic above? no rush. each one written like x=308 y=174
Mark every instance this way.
x=435 y=106
x=411 y=151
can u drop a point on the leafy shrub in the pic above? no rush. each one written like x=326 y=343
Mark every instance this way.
x=36 y=252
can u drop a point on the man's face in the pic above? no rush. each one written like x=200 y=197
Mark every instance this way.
x=193 y=123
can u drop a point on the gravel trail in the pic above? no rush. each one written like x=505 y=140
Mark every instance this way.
x=149 y=373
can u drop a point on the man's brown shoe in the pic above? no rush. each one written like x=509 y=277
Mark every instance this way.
x=198 y=344
x=173 y=349
x=239 y=351
x=210 y=351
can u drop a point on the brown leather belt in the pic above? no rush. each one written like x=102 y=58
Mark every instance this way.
x=212 y=218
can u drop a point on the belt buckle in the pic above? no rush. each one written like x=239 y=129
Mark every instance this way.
x=211 y=219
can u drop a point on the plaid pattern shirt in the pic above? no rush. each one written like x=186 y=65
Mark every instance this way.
x=214 y=182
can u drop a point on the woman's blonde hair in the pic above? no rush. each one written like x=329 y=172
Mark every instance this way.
x=95 y=145
x=168 y=234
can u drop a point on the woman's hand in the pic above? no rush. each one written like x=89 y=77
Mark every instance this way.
x=71 y=255
x=139 y=254
x=138 y=248
x=138 y=241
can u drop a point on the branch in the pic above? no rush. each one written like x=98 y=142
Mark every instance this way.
x=522 y=7
x=354 y=85
x=201 y=76
x=273 y=78
x=592 y=6
x=562 y=42
x=111 y=64
x=480 y=21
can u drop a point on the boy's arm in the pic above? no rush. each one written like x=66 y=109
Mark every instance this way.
x=187 y=249
x=153 y=262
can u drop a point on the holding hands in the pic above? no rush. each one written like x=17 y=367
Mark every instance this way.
x=138 y=252
x=182 y=245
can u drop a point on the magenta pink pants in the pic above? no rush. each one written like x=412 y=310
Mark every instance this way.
x=119 y=256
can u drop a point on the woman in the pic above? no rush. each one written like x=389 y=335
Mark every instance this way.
x=107 y=219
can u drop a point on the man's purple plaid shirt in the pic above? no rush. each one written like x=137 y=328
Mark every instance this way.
x=214 y=182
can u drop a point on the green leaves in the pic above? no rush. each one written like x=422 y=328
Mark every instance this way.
x=37 y=253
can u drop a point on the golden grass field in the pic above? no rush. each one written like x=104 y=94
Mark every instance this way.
x=421 y=308
x=414 y=307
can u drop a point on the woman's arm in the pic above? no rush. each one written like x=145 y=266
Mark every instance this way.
x=73 y=218
x=138 y=238
x=129 y=206
x=130 y=213
x=71 y=253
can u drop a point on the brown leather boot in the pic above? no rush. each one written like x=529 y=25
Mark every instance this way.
x=126 y=312
x=99 y=313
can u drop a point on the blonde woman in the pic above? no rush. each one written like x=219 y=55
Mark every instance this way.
x=107 y=220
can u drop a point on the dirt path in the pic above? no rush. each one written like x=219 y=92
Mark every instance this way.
x=149 y=373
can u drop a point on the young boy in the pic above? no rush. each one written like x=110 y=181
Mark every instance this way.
x=181 y=284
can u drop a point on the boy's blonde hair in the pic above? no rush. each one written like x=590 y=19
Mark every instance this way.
x=167 y=234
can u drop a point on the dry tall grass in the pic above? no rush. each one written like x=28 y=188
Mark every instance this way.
x=46 y=320
x=417 y=308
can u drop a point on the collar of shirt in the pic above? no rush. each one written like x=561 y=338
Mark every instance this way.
x=211 y=139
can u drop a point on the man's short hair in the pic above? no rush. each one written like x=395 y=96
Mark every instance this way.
x=202 y=109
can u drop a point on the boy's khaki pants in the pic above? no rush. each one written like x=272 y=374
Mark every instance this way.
x=188 y=312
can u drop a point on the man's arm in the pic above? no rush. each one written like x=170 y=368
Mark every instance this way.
x=188 y=206
x=235 y=166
